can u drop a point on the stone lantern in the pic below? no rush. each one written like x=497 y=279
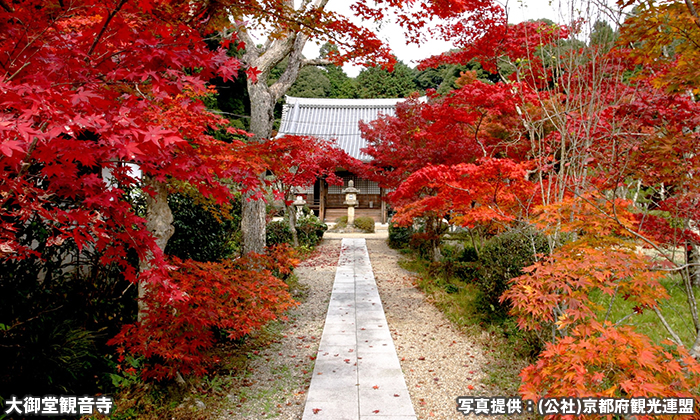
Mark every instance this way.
x=299 y=203
x=351 y=200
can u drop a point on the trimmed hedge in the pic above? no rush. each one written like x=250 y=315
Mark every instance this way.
x=365 y=223
x=341 y=222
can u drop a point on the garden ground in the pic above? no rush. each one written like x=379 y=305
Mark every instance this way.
x=439 y=361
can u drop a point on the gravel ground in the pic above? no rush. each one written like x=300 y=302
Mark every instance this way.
x=439 y=362
x=280 y=374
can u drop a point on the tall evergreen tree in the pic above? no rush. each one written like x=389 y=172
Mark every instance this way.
x=377 y=82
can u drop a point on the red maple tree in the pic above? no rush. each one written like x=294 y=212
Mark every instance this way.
x=101 y=114
x=298 y=162
x=88 y=88
x=606 y=162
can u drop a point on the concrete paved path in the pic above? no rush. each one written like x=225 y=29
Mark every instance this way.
x=357 y=373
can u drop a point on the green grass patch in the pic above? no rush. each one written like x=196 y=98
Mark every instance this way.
x=674 y=309
x=508 y=350
x=455 y=298
x=466 y=284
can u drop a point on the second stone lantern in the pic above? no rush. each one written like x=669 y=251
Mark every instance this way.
x=351 y=201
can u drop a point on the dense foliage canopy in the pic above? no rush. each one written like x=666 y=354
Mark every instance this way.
x=593 y=144
x=582 y=144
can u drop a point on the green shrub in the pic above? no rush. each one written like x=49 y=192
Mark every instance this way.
x=422 y=243
x=447 y=270
x=341 y=222
x=278 y=232
x=451 y=288
x=57 y=310
x=489 y=268
x=60 y=352
x=310 y=230
x=444 y=275
x=400 y=237
x=469 y=254
x=365 y=224
x=500 y=259
x=203 y=234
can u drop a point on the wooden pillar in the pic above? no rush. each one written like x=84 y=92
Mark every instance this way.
x=322 y=200
x=381 y=199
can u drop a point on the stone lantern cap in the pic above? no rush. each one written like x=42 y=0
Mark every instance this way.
x=299 y=201
x=351 y=188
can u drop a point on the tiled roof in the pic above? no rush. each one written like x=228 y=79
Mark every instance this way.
x=334 y=119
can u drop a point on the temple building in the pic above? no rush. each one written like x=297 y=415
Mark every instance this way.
x=338 y=120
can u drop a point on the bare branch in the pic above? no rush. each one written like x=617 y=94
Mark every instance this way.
x=27 y=160
x=674 y=336
x=695 y=351
x=692 y=303
x=694 y=12
x=612 y=300
x=216 y=111
x=679 y=268
x=626 y=317
x=317 y=62
x=104 y=27
x=294 y=64
x=245 y=37
x=18 y=71
x=622 y=225
x=16 y=324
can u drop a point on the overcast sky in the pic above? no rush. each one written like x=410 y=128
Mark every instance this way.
x=410 y=54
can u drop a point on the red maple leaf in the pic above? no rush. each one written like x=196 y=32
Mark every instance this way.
x=252 y=73
x=229 y=69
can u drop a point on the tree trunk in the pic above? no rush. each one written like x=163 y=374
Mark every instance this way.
x=159 y=222
x=437 y=254
x=262 y=107
x=693 y=257
x=434 y=229
x=292 y=217
x=253 y=225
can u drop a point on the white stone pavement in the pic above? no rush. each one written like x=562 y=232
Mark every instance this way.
x=357 y=373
